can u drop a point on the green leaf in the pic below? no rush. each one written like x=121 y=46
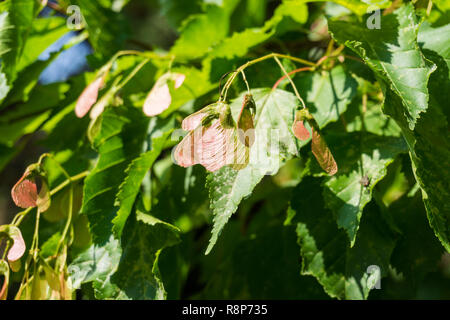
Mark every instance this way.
x=360 y=156
x=178 y=10
x=200 y=32
x=5 y=30
x=394 y=55
x=97 y=264
x=297 y=10
x=44 y=32
x=417 y=251
x=429 y=142
x=191 y=201
x=130 y=187
x=120 y=138
x=434 y=39
x=49 y=247
x=244 y=268
x=327 y=93
x=241 y=42
x=273 y=144
x=360 y=7
x=17 y=18
x=130 y=270
x=374 y=121
x=138 y=276
x=396 y=58
x=107 y=29
x=429 y=151
x=227 y=187
x=26 y=81
x=4 y=87
x=342 y=271
x=27 y=117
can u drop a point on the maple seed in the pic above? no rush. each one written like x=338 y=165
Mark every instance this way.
x=18 y=248
x=88 y=97
x=159 y=98
x=213 y=142
x=322 y=153
x=300 y=130
x=245 y=121
x=24 y=193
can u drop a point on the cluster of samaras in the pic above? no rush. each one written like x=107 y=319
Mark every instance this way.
x=214 y=139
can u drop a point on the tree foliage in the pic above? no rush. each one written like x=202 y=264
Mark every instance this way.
x=313 y=164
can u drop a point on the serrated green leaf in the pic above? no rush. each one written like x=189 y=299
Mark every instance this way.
x=138 y=276
x=97 y=264
x=130 y=270
x=227 y=187
x=120 y=138
x=274 y=142
x=429 y=152
x=5 y=30
x=429 y=142
x=394 y=55
x=362 y=160
x=17 y=18
x=435 y=39
x=388 y=54
x=342 y=271
x=327 y=93
x=130 y=187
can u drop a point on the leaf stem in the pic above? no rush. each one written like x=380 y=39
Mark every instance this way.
x=245 y=80
x=133 y=73
x=290 y=80
x=69 y=220
x=291 y=73
x=57 y=164
x=257 y=60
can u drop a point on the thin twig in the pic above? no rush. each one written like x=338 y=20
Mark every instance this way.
x=257 y=60
x=292 y=82
x=290 y=73
x=245 y=80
